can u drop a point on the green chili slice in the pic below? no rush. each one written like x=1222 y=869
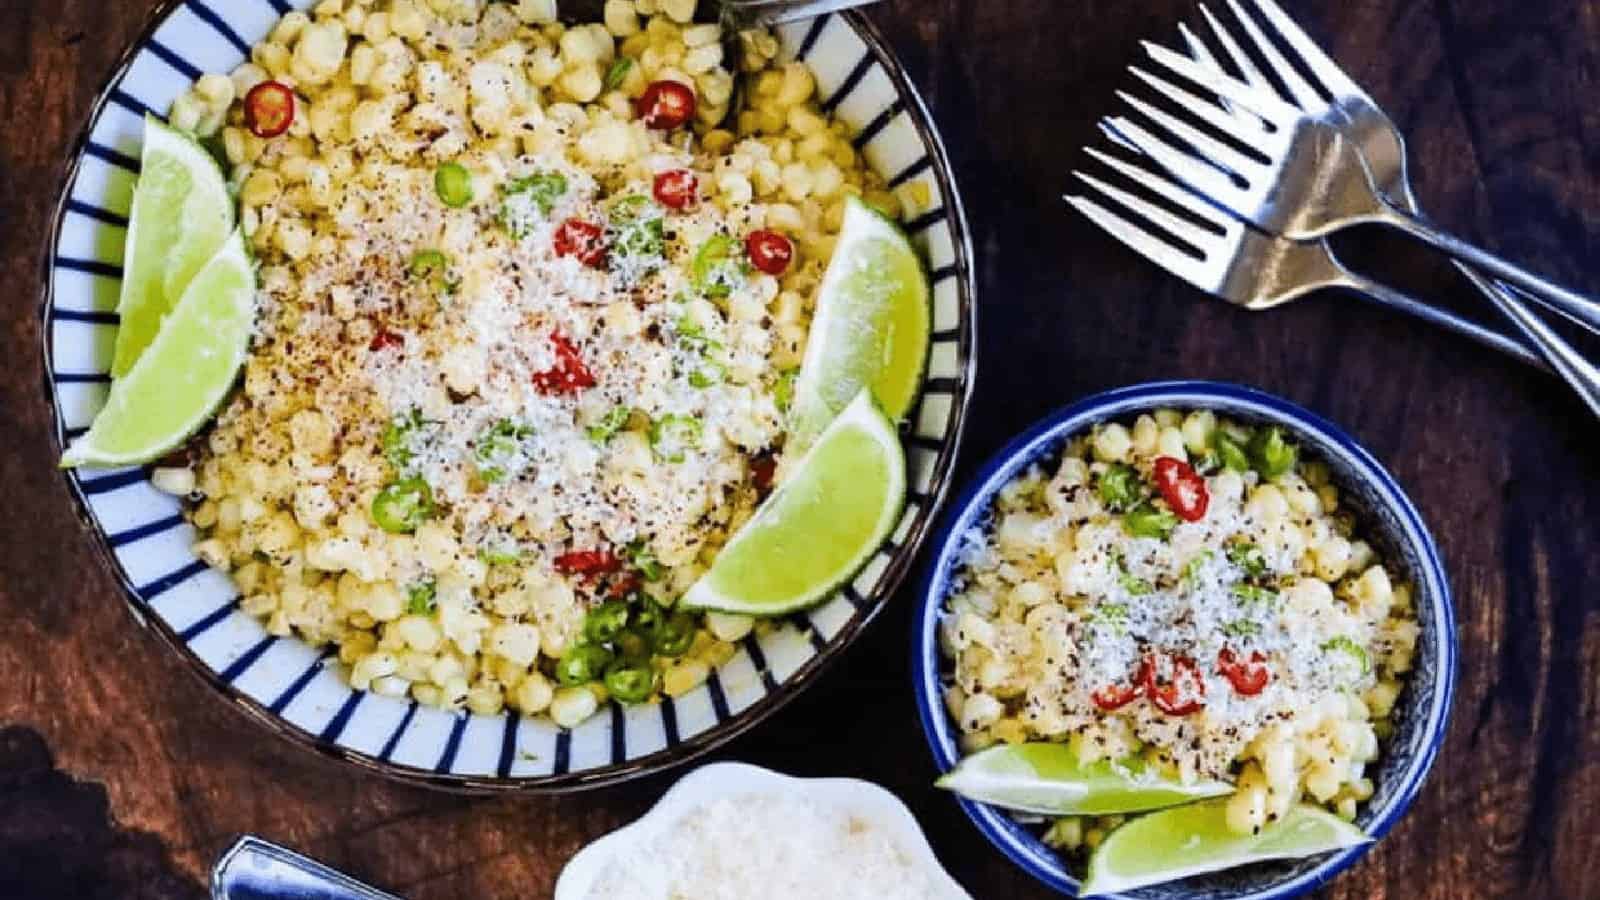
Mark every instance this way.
x=402 y=506
x=453 y=183
x=1149 y=521
x=582 y=664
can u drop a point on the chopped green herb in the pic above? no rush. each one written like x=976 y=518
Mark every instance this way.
x=428 y=263
x=500 y=556
x=1271 y=454
x=1229 y=452
x=1136 y=587
x=642 y=558
x=1242 y=628
x=543 y=189
x=498 y=452
x=618 y=73
x=1347 y=646
x=707 y=374
x=1251 y=595
x=1111 y=615
x=422 y=598
x=402 y=506
x=1149 y=521
x=783 y=389
x=1120 y=488
x=719 y=267
x=453 y=183
x=673 y=436
x=1191 y=569
x=1249 y=558
x=604 y=430
x=399 y=440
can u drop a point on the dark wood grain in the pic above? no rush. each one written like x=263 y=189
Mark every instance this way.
x=1498 y=99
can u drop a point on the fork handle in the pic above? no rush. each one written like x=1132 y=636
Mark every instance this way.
x=1575 y=306
x=1579 y=374
x=1488 y=337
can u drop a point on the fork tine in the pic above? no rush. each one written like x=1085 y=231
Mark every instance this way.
x=1180 y=228
x=1333 y=78
x=1210 y=149
x=1200 y=176
x=1158 y=251
x=1304 y=94
x=1241 y=59
x=1169 y=190
x=1263 y=103
x=1223 y=121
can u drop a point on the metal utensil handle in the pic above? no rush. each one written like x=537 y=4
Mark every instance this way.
x=255 y=869
x=1571 y=303
x=782 y=12
x=1580 y=374
x=1488 y=337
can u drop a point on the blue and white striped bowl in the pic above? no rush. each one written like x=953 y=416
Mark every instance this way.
x=1394 y=526
x=290 y=686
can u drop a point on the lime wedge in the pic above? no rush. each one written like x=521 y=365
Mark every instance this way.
x=1048 y=779
x=1189 y=840
x=181 y=215
x=871 y=327
x=828 y=517
x=184 y=373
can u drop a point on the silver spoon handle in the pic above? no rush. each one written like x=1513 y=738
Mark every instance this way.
x=1488 y=337
x=254 y=869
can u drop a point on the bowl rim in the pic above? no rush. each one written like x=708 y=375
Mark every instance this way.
x=901 y=564
x=1012 y=839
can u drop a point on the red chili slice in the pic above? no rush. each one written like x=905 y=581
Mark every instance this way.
x=1183 y=488
x=588 y=563
x=1113 y=697
x=585 y=240
x=269 y=109
x=769 y=251
x=626 y=585
x=677 y=189
x=569 y=374
x=1180 y=691
x=1249 y=677
x=666 y=105
x=386 y=339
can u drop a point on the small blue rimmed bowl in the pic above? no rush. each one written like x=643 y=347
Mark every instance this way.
x=1391 y=523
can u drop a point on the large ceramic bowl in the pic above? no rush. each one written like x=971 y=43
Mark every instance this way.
x=1391 y=522
x=289 y=686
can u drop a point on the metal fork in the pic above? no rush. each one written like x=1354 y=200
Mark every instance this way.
x=1314 y=180
x=779 y=12
x=1235 y=261
x=1380 y=144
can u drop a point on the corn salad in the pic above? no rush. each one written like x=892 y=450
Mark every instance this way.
x=1188 y=591
x=515 y=380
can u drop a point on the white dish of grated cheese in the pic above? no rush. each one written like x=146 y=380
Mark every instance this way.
x=711 y=838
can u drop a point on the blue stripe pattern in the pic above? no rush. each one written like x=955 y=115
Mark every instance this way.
x=508 y=745
x=759 y=660
x=452 y=745
x=669 y=721
x=945 y=273
x=209 y=621
x=854 y=596
x=167 y=582
x=911 y=171
x=925 y=221
x=619 y=735
x=813 y=34
x=90 y=266
x=848 y=86
x=131 y=103
x=299 y=684
x=399 y=730
x=73 y=434
x=866 y=134
x=719 y=699
x=243 y=663
x=108 y=483
x=83 y=378
x=89 y=210
x=90 y=317
x=563 y=752
x=185 y=68
x=206 y=15
x=281 y=6
x=336 y=725
x=143 y=531
x=115 y=157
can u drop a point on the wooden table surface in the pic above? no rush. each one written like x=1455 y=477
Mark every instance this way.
x=122 y=776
